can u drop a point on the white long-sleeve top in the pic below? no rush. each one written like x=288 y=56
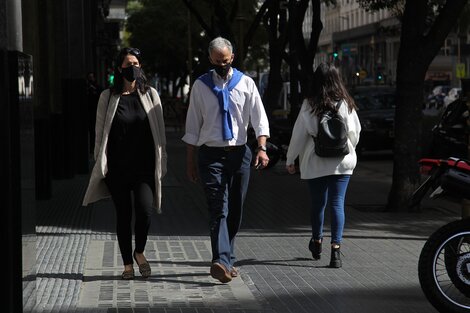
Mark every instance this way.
x=301 y=145
x=204 y=120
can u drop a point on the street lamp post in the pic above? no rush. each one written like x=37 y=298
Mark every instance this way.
x=190 y=50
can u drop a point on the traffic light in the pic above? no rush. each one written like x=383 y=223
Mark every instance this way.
x=379 y=73
x=111 y=79
x=335 y=55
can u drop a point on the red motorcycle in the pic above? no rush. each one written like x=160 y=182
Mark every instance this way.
x=444 y=262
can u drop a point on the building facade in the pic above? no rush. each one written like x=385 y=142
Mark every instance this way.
x=365 y=46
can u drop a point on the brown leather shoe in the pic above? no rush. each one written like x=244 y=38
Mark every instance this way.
x=128 y=274
x=144 y=268
x=220 y=272
x=234 y=272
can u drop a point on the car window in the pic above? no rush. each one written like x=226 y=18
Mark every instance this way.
x=374 y=101
x=364 y=102
x=385 y=101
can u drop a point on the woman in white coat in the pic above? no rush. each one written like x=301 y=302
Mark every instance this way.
x=327 y=177
x=130 y=156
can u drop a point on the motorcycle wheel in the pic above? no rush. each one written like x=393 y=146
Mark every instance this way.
x=454 y=251
x=444 y=268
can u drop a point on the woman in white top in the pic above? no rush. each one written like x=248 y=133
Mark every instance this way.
x=327 y=177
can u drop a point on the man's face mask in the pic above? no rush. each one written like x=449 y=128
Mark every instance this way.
x=222 y=70
x=130 y=73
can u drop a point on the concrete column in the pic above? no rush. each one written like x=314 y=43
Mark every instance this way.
x=75 y=107
x=14 y=27
x=3 y=26
x=10 y=42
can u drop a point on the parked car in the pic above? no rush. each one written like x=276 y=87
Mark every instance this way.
x=377 y=114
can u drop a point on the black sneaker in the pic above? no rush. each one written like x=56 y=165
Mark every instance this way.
x=315 y=248
x=335 y=261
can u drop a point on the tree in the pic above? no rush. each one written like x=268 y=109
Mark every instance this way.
x=275 y=22
x=229 y=19
x=302 y=51
x=425 y=25
x=167 y=48
x=283 y=22
x=164 y=49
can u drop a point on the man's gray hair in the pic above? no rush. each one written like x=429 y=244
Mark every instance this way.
x=219 y=43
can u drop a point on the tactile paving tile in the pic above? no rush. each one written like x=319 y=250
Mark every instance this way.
x=180 y=279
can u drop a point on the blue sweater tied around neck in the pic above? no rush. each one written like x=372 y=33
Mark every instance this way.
x=223 y=96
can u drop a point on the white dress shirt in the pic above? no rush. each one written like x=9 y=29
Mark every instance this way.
x=204 y=118
x=301 y=145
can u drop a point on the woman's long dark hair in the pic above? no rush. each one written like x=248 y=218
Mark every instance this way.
x=328 y=89
x=141 y=82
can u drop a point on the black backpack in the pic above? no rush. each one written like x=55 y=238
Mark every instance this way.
x=331 y=139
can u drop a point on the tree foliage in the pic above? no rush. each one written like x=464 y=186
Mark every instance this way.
x=160 y=36
x=160 y=29
x=236 y=20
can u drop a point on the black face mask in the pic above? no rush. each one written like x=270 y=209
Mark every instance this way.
x=222 y=70
x=130 y=73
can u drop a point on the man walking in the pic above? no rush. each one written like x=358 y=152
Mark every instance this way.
x=223 y=102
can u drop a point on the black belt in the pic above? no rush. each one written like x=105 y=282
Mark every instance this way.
x=224 y=148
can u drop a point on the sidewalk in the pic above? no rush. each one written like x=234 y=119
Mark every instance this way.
x=79 y=266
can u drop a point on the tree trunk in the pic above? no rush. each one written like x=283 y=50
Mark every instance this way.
x=407 y=150
x=274 y=27
x=304 y=53
x=199 y=18
x=254 y=26
x=418 y=48
x=295 y=44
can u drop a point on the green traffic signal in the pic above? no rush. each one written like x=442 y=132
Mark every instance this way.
x=111 y=79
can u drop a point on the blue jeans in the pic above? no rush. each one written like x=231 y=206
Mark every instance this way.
x=225 y=176
x=328 y=191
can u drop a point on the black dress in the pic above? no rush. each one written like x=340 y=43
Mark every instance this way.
x=131 y=148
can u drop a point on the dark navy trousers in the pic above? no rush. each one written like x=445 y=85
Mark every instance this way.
x=225 y=174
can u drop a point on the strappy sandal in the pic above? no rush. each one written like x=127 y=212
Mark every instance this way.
x=234 y=272
x=128 y=275
x=144 y=268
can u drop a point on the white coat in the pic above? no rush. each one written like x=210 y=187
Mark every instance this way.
x=301 y=145
x=106 y=110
